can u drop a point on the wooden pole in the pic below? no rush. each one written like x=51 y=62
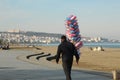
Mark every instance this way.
x=116 y=75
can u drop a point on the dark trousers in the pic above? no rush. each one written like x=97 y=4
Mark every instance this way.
x=67 y=65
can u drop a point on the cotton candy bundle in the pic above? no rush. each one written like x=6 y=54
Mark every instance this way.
x=73 y=32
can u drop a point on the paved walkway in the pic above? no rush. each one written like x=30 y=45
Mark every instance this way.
x=13 y=69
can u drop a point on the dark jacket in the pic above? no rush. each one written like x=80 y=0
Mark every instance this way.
x=67 y=50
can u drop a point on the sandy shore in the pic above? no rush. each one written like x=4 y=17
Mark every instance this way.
x=107 y=60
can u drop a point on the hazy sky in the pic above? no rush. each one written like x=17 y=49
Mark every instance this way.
x=96 y=17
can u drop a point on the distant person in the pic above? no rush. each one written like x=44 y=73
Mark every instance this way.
x=67 y=50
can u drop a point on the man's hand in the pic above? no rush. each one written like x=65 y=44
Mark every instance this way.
x=77 y=60
x=57 y=61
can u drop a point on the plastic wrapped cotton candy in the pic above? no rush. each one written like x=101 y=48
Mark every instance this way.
x=79 y=44
x=73 y=32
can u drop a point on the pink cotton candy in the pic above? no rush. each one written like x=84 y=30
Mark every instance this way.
x=79 y=44
x=73 y=18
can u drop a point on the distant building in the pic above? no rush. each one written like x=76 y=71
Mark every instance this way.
x=15 y=31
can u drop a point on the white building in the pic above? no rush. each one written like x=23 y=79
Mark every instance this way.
x=14 y=30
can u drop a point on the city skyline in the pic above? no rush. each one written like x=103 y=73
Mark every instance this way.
x=95 y=18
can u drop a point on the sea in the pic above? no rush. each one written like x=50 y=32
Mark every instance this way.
x=103 y=44
x=92 y=44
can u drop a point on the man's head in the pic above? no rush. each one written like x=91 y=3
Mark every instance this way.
x=63 y=38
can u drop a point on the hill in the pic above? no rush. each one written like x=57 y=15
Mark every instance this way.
x=31 y=33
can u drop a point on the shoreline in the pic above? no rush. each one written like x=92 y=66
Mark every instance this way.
x=106 y=61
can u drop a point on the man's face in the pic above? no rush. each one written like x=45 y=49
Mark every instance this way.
x=62 y=40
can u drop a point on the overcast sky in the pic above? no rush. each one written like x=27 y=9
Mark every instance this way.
x=95 y=17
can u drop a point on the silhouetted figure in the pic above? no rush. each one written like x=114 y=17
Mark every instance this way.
x=67 y=50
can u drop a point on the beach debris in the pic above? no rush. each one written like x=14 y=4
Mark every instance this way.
x=45 y=55
x=39 y=55
x=50 y=58
x=34 y=55
x=73 y=32
x=99 y=48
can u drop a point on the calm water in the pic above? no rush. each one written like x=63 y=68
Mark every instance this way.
x=105 y=44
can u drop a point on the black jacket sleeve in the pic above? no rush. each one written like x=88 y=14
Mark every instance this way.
x=76 y=53
x=58 y=54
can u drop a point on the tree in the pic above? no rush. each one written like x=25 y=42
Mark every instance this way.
x=1 y=41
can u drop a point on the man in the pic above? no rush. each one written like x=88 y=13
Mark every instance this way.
x=67 y=50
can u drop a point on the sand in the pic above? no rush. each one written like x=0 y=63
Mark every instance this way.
x=107 y=60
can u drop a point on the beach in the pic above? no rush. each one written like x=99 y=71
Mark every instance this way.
x=15 y=66
x=107 y=60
